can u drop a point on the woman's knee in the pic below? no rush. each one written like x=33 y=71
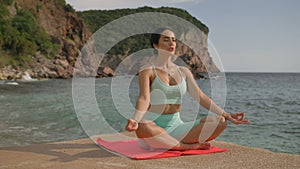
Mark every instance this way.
x=222 y=122
x=218 y=121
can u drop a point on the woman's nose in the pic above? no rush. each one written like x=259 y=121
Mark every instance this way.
x=172 y=42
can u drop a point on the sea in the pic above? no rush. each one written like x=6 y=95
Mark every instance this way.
x=47 y=110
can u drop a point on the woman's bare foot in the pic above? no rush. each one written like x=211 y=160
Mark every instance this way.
x=204 y=146
x=199 y=146
x=194 y=146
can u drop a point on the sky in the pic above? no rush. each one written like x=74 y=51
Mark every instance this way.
x=248 y=35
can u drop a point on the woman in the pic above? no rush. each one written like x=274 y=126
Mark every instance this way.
x=162 y=84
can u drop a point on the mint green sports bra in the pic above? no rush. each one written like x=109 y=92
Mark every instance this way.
x=162 y=93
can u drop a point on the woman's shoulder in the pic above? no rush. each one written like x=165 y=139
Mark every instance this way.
x=146 y=69
x=185 y=71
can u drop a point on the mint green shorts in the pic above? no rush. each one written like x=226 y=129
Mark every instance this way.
x=172 y=123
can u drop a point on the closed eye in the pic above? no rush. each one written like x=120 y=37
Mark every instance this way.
x=167 y=39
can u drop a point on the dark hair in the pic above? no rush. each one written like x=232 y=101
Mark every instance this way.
x=155 y=36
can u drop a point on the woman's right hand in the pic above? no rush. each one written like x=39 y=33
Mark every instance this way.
x=132 y=125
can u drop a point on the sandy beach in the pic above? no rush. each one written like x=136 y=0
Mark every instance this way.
x=83 y=153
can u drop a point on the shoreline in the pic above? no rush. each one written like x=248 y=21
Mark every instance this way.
x=83 y=153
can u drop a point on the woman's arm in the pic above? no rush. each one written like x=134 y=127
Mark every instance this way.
x=143 y=100
x=194 y=90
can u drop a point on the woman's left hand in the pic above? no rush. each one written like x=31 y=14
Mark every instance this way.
x=237 y=118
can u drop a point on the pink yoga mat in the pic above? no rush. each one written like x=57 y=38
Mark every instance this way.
x=131 y=149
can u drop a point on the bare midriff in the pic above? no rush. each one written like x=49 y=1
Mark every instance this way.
x=164 y=108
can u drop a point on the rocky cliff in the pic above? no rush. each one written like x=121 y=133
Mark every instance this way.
x=71 y=33
x=65 y=29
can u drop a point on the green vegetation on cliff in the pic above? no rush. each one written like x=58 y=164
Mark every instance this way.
x=95 y=19
x=21 y=36
x=98 y=18
x=67 y=7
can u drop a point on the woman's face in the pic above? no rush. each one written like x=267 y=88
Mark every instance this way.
x=167 y=41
